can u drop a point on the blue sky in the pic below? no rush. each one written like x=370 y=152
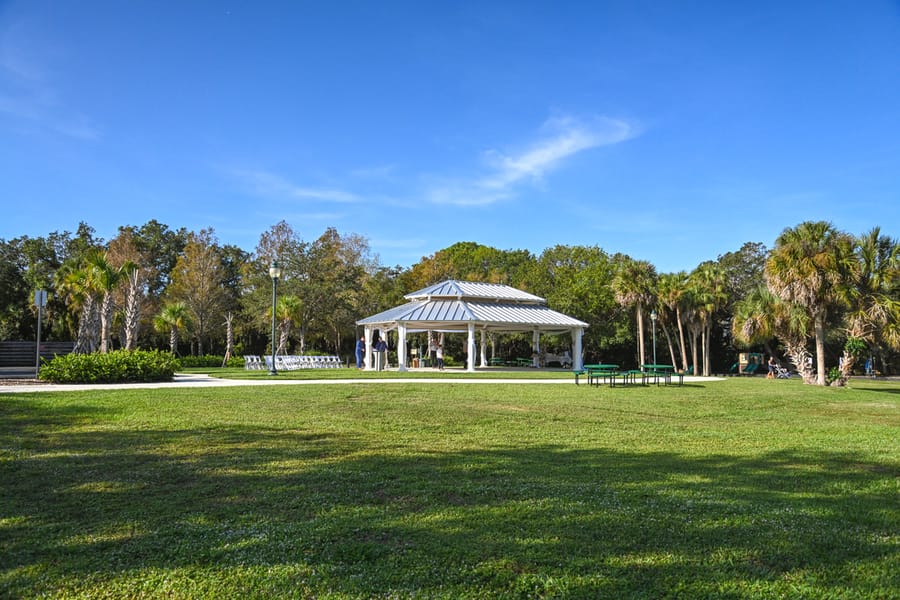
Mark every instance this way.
x=670 y=131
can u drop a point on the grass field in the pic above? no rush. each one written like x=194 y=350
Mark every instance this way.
x=742 y=488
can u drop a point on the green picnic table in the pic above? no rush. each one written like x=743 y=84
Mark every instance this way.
x=601 y=372
x=662 y=373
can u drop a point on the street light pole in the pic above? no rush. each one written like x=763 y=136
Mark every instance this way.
x=40 y=301
x=275 y=274
x=653 y=317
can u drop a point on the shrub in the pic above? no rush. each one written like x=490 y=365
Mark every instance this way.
x=209 y=360
x=119 y=366
x=235 y=362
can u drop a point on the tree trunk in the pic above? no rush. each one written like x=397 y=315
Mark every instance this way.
x=671 y=348
x=707 y=349
x=847 y=362
x=695 y=334
x=681 y=339
x=820 y=349
x=640 y=326
x=284 y=332
x=106 y=307
x=133 y=308
x=82 y=338
x=88 y=327
x=801 y=358
x=229 y=338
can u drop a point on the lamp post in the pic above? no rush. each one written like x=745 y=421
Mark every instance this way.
x=40 y=301
x=275 y=274
x=653 y=317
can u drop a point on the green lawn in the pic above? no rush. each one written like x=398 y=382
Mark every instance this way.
x=726 y=489
x=353 y=373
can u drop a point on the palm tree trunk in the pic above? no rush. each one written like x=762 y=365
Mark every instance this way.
x=133 y=309
x=820 y=349
x=847 y=362
x=801 y=358
x=229 y=338
x=82 y=338
x=707 y=350
x=695 y=333
x=684 y=361
x=703 y=351
x=671 y=347
x=105 y=323
x=91 y=325
x=283 y=334
x=640 y=326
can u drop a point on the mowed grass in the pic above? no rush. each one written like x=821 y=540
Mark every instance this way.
x=721 y=489
x=424 y=373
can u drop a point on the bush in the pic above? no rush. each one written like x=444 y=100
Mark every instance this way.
x=118 y=366
x=209 y=360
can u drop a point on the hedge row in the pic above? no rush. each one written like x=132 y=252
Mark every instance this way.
x=118 y=366
x=210 y=360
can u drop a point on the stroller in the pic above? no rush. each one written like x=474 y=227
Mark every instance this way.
x=781 y=372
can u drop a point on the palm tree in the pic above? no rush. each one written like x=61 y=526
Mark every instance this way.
x=690 y=316
x=762 y=316
x=871 y=295
x=289 y=310
x=105 y=278
x=806 y=268
x=671 y=296
x=78 y=284
x=135 y=281
x=634 y=284
x=173 y=318
x=709 y=282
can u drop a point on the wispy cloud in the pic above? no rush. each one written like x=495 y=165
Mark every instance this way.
x=265 y=183
x=559 y=139
x=29 y=94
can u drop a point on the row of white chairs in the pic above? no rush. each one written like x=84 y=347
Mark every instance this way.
x=291 y=362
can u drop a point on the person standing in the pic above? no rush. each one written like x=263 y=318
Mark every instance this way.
x=380 y=354
x=439 y=355
x=360 y=350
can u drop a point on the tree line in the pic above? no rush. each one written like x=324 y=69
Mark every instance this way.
x=820 y=296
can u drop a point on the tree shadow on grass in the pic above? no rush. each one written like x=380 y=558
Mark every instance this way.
x=311 y=514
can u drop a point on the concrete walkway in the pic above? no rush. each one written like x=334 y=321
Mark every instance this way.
x=206 y=381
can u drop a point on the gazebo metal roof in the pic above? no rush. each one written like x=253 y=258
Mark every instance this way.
x=452 y=305
x=471 y=290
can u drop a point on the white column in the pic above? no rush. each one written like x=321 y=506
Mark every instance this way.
x=577 y=360
x=483 y=349
x=471 y=345
x=367 y=364
x=401 y=347
x=536 y=348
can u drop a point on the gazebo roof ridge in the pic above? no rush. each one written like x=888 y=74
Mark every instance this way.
x=475 y=291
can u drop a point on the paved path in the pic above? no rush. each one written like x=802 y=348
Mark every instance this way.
x=205 y=381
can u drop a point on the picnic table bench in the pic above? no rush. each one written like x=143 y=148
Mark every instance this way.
x=601 y=373
x=662 y=373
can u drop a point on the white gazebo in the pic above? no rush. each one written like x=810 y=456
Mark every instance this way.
x=465 y=306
